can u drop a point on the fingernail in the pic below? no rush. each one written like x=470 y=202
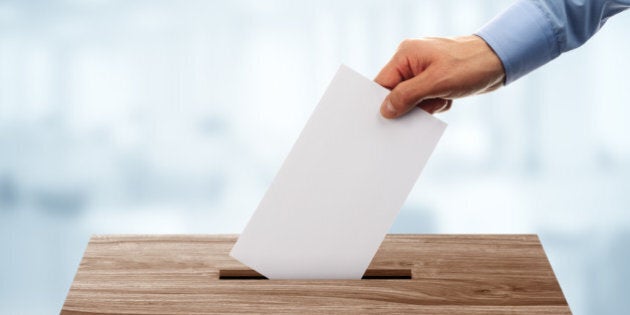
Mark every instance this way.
x=389 y=108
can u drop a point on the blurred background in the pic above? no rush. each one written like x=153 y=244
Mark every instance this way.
x=173 y=117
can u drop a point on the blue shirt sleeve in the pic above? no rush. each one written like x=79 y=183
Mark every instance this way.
x=531 y=33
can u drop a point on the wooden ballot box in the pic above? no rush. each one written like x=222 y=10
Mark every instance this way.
x=410 y=274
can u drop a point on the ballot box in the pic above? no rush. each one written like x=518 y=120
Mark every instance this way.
x=410 y=274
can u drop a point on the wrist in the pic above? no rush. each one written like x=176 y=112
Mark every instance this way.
x=485 y=62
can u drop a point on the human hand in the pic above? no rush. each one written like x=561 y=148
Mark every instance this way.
x=430 y=72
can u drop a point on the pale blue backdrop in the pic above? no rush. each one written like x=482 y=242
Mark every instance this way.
x=173 y=116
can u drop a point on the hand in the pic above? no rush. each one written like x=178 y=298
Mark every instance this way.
x=430 y=72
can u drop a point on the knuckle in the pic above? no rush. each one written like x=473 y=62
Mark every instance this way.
x=408 y=43
x=401 y=57
x=404 y=43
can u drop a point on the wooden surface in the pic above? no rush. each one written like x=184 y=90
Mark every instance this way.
x=451 y=274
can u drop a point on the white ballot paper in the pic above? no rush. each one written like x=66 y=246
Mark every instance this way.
x=338 y=192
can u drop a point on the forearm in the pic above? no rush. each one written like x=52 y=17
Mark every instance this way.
x=531 y=33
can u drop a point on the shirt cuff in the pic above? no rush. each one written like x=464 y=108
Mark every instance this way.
x=522 y=37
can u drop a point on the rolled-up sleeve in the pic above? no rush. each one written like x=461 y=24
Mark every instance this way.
x=530 y=33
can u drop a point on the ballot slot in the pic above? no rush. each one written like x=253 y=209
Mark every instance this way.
x=370 y=274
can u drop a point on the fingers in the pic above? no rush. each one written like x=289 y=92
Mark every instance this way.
x=406 y=95
x=389 y=76
x=436 y=105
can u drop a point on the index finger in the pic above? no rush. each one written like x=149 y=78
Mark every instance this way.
x=389 y=76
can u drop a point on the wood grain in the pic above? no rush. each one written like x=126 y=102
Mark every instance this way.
x=451 y=274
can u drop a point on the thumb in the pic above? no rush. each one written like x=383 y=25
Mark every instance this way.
x=406 y=95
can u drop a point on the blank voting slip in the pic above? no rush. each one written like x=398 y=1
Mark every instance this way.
x=339 y=190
